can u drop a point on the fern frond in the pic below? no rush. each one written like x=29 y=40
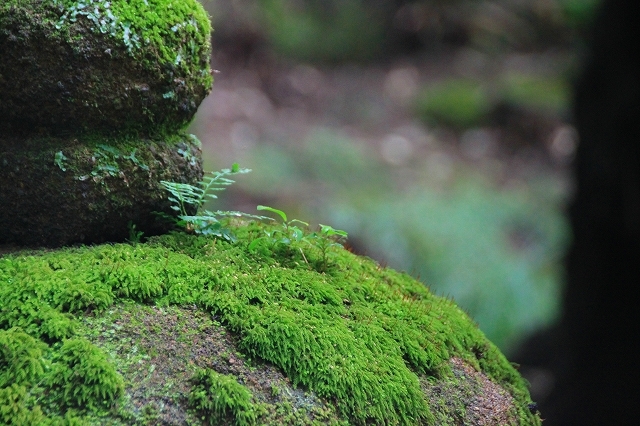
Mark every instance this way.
x=203 y=221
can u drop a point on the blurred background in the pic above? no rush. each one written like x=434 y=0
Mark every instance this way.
x=437 y=133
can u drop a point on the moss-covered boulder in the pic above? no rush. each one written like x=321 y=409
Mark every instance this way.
x=196 y=330
x=136 y=66
x=61 y=191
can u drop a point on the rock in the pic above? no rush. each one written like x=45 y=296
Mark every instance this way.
x=62 y=191
x=99 y=66
x=95 y=95
x=197 y=330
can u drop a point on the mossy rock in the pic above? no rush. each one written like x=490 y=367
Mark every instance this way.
x=61 y=191
x=139 y=66
x=197 y=330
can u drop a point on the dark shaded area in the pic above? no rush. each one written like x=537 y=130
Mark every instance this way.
x=60 y=192
x=592 y=353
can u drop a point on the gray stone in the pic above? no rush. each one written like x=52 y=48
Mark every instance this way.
x=61 y=191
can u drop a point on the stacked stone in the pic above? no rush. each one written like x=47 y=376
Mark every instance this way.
x=95 y=96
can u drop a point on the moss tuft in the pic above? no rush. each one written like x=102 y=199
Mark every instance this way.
x=82 y=377
x=14 y=409
x=20 y=358
x=220 y=398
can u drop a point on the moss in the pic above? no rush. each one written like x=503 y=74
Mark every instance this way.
x=82 y=377
x=174 y=29
x=455 y=400
x=219 y=398
x=94 y=186
x=138 y=66
x=20 y=358
x=14 y=408
x=160 y=348
x=362 y=337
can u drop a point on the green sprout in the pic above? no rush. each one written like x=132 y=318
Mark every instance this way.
x=324 y=240
x=59 y=160
x=186 y=198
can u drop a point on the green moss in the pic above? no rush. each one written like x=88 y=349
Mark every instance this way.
x=20 y=358
x=176 y=30
x=219 y=398
x=14 y=408
x=82 y=377
x=359 y=335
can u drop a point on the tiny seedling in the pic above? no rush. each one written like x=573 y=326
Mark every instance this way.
x=280 y=236
x=134 y=236
x=324 y=240
x=290 y=229
x=186 y=198
x=59 y=160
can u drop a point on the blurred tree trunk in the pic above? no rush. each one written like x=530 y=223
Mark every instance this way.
x=597 y=380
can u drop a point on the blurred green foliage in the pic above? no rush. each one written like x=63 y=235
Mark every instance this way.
x=538 y=93
x=579 y=14
x=458 y=103
x=324 y=30
x=339 y=31
x=461 y=103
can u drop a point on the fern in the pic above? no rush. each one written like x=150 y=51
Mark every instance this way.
x=186 y=197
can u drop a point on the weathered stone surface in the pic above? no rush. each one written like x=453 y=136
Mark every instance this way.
x=58 y=191
x=68 y=66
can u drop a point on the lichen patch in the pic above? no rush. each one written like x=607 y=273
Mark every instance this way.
x=469 y=397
